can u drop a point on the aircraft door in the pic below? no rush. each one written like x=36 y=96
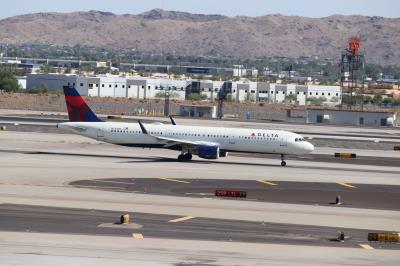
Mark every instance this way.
x=100 y=134
x=283 y=141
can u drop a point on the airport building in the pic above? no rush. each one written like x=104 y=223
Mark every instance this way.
x=343 y=117
x=356 y=118
x=150 y=88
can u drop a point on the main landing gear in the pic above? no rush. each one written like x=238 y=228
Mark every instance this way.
x=185 y=157
x=283 y=163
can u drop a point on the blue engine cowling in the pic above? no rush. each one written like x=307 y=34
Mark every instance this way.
x=208 y=152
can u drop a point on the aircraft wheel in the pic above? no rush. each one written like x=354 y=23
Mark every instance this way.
x=283 y=163
x=188 y=156
x=181 y=157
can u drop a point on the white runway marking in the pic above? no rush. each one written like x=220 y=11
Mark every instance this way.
x=175 y=180
x=181 y=219
x=366 y=246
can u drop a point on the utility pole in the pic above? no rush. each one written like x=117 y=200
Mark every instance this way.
x=222 y=95
x=166 y=102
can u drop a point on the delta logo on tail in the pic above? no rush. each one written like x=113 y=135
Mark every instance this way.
x=78 y=110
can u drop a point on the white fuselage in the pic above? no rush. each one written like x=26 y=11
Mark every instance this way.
x=228 y=139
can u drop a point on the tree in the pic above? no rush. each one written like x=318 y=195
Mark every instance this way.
x=316 y=100
x=289 y=98
x=396 y=102
x=367 y=99
x=101 y=70
x=335 y=99
x=8 y=82
x=161 y=94
x=250 y=97
x=45 y=69
x=196 y=97
x=68 y=70
x=37 y=90
x=377 y=99
x=388 y=101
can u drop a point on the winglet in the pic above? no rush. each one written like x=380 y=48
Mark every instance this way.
x=144 y=130
x=172 y=120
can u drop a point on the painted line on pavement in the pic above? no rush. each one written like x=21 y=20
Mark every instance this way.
x=266 y=182
x=346 y=185
x=116 y=182
x=366 y=246
x=137 y=236
x=181 y=219
x=174 y=180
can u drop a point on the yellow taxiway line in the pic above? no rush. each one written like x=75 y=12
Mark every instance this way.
x=181 y=219
x=366 y=246
x=266 y=182
x=137 y=236
x=346 y=185
x=174 y=180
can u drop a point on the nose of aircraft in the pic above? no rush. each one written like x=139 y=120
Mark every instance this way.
x=308 y=147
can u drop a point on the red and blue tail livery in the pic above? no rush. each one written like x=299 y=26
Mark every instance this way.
x=78 y=110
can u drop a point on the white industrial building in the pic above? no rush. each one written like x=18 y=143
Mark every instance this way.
x=343 y=117
x=358 y=118
x=149 y=88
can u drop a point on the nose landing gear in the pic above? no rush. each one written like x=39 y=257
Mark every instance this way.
x=283 y=163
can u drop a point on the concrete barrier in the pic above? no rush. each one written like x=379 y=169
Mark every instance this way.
x=345 y=155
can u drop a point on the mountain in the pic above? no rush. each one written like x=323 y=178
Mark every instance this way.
x=210 y=35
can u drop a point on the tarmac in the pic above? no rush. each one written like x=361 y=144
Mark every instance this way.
x=370 y=196
x=25 y=218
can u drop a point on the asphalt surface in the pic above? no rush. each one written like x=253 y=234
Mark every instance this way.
x=360 y=160
x=352 y=195
x=23 y=218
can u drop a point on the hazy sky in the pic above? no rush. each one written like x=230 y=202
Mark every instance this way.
x=308 y=8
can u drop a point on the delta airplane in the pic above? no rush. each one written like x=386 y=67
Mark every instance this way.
x=205 y=142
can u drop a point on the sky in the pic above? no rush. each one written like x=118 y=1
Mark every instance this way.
x=307 y=8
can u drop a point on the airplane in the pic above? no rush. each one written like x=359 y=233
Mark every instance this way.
x=205 y=142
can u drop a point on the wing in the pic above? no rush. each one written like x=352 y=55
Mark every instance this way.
x=170 y=142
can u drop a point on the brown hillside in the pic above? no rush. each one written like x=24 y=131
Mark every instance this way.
x=213 y=35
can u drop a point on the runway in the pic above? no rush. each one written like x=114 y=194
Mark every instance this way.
x=38 y=219
x=323 y=194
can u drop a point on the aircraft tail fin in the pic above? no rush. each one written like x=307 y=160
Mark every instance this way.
x=78 y=109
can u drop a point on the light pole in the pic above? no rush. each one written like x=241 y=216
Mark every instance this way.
x=166 y=102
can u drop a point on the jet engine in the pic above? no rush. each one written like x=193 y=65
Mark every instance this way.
x=208 y=152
